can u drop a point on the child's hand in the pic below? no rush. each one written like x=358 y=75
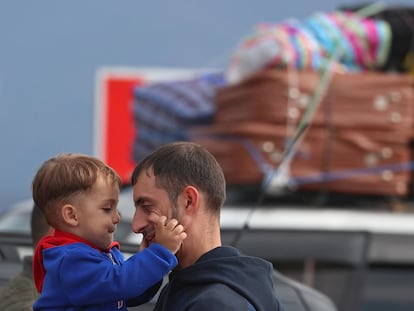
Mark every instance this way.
x=168 y=233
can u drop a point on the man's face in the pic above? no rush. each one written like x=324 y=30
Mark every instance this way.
x=149 y=199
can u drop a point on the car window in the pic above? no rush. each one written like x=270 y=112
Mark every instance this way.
x=17 y=222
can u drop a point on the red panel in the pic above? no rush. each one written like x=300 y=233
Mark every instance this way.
x=120 y=126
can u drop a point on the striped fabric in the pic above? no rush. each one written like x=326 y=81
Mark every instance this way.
x=363 y=43
x=164 y=111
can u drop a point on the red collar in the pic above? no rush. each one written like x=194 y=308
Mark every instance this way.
x=57 y=238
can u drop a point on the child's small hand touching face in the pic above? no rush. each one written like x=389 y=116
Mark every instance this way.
x=168 y=233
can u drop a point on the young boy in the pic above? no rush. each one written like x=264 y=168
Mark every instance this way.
x=79 y=266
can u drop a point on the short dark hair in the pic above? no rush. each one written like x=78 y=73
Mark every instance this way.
x=179 y=164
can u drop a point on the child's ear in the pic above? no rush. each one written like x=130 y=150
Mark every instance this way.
x=69 y=215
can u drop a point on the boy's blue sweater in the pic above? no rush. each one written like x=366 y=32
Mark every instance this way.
x=81 y=277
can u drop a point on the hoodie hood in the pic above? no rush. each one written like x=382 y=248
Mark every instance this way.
x=250 y=277
x=57 y=238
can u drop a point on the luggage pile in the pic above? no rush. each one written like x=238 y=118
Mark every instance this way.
x=287 y=113
x=358 y=140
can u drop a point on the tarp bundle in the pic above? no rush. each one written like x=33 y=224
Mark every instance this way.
x=358 y=141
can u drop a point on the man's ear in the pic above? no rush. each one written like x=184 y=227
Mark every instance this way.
x=70 y=215
x=191 y=198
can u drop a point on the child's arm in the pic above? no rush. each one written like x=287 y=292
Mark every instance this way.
x=87 y=276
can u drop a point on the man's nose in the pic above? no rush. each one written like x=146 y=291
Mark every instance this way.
x=139 y=221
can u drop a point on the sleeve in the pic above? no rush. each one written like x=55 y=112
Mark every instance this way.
x=90 y=278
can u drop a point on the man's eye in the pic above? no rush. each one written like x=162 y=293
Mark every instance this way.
x=147 y=208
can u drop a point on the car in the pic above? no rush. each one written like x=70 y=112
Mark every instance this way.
x=356 y=258
x=15 y=243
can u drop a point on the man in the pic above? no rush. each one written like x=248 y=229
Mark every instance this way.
x=182 y=180
x=20 y=292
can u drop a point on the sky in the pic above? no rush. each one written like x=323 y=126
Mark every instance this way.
x=51 y=50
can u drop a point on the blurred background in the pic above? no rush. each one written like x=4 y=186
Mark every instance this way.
x=53 y=55
x=51 y=50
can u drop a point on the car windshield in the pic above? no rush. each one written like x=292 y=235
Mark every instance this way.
x=17 y=218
